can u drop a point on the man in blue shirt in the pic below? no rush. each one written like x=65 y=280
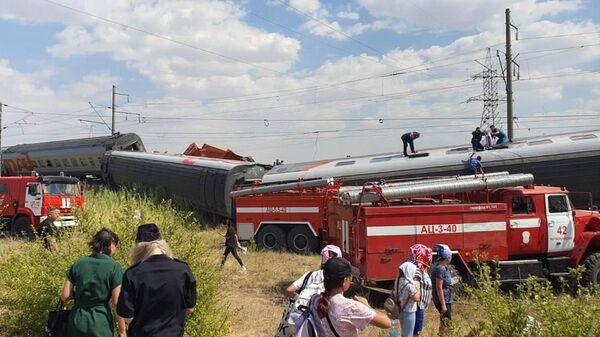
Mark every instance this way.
x=474 y=165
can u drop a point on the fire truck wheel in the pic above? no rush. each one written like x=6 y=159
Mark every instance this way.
x=22 y=229
x=592 y=269
x=271 y=237
x=301 y=240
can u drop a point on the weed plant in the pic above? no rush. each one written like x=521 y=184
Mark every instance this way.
x=31 y=277
x=532 y=309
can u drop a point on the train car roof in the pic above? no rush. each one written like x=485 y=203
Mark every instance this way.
x=80 y=142
x=217 y=163
x=530 y=149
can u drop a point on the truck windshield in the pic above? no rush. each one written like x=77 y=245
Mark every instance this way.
x=61 y=188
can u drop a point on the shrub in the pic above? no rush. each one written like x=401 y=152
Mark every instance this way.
x=31 y=277
x=532 y=309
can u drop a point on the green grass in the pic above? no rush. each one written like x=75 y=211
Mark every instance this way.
x=31 y=277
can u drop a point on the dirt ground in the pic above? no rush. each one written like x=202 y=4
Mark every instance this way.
x=256 y=296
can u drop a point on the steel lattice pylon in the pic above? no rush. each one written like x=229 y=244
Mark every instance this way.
x=490 y=97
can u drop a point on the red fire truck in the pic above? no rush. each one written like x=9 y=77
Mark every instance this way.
x=530 y=230
x=24 y=202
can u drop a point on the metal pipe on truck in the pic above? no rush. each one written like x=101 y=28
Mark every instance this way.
x=437 y=188
x=279 y=187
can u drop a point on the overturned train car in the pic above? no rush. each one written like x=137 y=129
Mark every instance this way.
x=203 y=182
x=567 y=160
x=73 y=157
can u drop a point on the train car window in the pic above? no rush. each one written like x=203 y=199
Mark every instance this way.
x=558 y=204
x=49 y=163
x=346 y=163
x=3 y=188
x=583 y=137
x=74 y=162
x=522 y=205
x=65 y=162
x=539 y=142
x=91 y=161
x=42 y=163
x=56 y=162
x=82 y=161
x=380 y=159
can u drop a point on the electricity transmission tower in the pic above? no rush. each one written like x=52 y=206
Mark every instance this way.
x=490 y=97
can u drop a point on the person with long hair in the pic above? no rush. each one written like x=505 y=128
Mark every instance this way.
x=338 y=315
x=442 y=296
x=94 y=282
x=231 y=244
x=158 y=290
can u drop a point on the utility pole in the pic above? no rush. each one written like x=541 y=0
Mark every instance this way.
x=112 y=129
x=113 y=107
x=509 y=91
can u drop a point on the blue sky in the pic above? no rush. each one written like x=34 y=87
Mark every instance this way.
x=291 y=79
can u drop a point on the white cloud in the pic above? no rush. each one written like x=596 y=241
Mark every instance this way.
x=348 y=15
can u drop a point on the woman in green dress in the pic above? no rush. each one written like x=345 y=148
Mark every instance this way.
x=94 y=282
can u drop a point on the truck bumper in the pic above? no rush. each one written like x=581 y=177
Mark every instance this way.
x=64 y=221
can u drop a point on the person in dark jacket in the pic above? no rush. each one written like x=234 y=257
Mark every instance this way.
x=231 y=244
x=408 y=139
x=158 y=291
x=476 y=139
x=47 y=231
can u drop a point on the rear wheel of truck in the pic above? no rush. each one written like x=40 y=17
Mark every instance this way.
x=301 y=240
x=22 y=229
x=271 y=237
x=592 y=269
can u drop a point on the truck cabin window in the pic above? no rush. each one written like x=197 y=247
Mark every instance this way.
x=522 y=205
x=61 y=188
x=33 y=190
x=558 y=204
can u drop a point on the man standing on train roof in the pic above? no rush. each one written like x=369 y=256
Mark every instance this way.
x=476 y=139
x=408 y=139
x=497 y=133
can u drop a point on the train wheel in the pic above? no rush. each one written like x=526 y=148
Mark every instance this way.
x=301 y=240
x=592 y=269
x=22 y=229
x=271 y=237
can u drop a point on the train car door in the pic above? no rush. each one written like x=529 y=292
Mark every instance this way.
x=561 y=228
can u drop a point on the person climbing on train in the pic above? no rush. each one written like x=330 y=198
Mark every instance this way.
x=501 y=137
x=477 y=135
x=474 y=165
x=408 y=139
x=231 y=244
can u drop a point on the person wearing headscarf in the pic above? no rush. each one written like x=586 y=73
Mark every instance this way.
x=421 y=256
x=407 y=292
x=442 y=278
x=303 y=289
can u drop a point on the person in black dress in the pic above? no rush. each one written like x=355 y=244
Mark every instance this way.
x=231 y=243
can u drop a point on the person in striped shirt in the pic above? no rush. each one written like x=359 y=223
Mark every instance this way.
x=421 y=256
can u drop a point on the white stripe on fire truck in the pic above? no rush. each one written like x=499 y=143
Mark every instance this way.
x=277 y=209
x=473 y=227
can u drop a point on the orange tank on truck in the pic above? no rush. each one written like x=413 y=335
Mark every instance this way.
x=25 y=200
x=529 y=230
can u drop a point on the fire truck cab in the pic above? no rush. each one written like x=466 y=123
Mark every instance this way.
x=25 y=200
x=530 y=231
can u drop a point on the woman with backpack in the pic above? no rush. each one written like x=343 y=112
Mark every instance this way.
x=421 y=256
x=336 y=315
x=302 y=290
x=408 y=292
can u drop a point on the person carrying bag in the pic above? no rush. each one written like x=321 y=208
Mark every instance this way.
x=58 y=320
